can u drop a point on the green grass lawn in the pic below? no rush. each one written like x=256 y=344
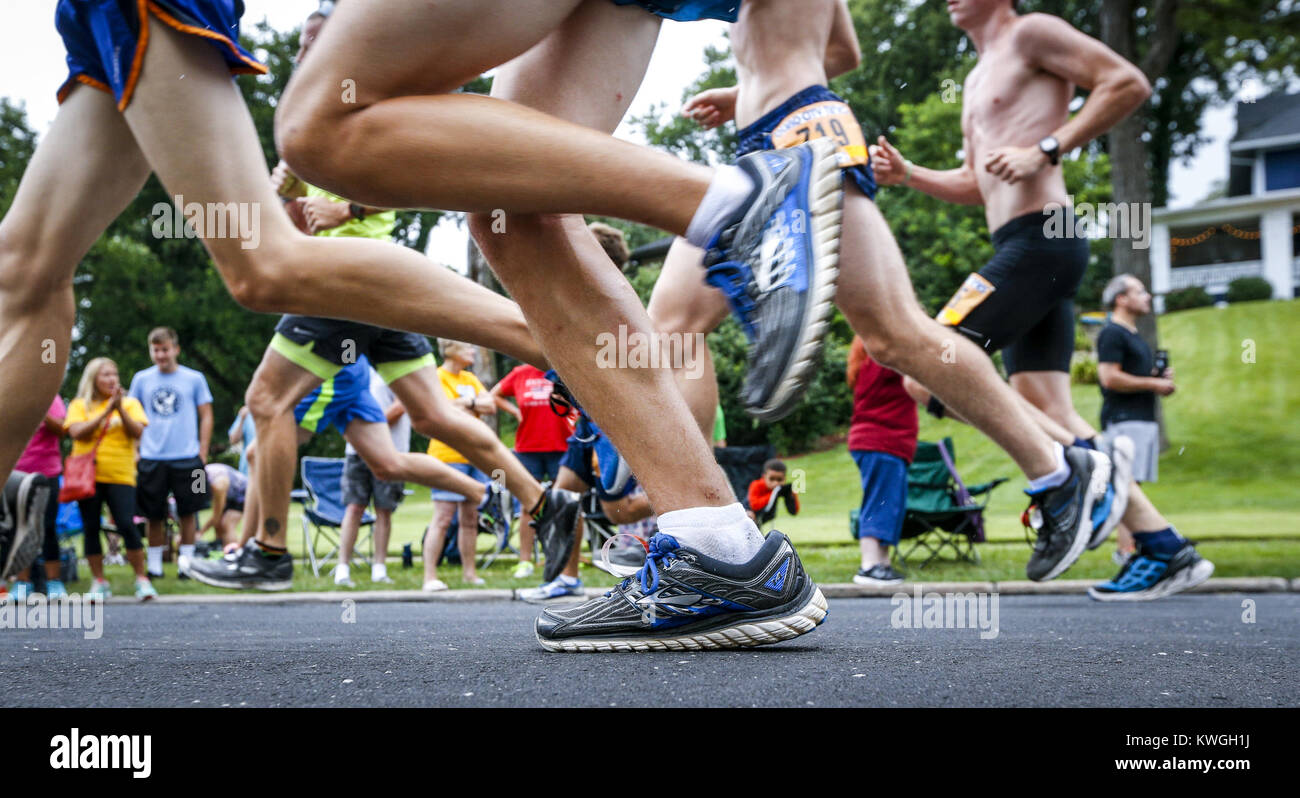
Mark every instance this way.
x=1229 y=479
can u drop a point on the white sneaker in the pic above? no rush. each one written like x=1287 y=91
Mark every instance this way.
x=341 y=576
x=379 y=574
x=434 y=585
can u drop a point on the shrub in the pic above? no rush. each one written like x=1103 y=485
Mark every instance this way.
x=1249 y=289
x=1187 y=299
x=1082 y=343
x=1083 y=370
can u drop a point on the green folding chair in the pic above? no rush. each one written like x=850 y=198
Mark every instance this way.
x=942 y=514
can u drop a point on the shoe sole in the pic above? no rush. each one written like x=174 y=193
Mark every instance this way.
x=260 y=584
x=1183 y=580
x=1083 y=532
x=744 y=635
x=26 y=545
x=826 y=210
x=1121 y=459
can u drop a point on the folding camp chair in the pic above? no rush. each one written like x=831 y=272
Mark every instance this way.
x=942 y=513
x=496 y=519
x=743 y=465
x=322 y=511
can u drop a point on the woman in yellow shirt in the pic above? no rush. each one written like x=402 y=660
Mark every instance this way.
x=103 y=412
x=467 y=392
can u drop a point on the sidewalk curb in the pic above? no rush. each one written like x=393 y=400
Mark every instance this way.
x=1059 y=587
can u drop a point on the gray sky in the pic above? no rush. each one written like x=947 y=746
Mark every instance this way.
x=32 y=67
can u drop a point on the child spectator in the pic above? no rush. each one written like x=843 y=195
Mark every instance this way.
x=765 y=491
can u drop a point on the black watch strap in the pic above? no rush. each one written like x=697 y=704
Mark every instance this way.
x=358 y=211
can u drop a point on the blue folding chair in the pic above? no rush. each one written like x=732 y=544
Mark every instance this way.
x=322 y=510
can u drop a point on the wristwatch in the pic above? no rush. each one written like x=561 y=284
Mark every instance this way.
x=358 y=211
x=1051 y=148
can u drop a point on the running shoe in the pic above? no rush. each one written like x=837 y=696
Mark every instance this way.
x=55 y=590
x=343 y=577
x=776 y=261
x=556 y=528
x=682 y=599
x=1120 y=450
x=99 y=589
x=22 y=521
x=878 y=576
x=246 y=568
x=1062 y=516
x=475 y=581
x=1146 y=576
x=434 y=586
x=523 y=570
x=144 y=590
x=558 y=588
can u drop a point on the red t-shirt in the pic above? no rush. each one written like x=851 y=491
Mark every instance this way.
x=541 y=430
x=884 y=415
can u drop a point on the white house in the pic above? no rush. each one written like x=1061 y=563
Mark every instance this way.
x=1255 y=230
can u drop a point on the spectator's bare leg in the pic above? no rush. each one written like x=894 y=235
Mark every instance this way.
x=348 y=532
x=435 y=537
x=467 y=540
x=379 y=537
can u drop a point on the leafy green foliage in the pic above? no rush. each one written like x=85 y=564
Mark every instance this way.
x=1249 y=289
x=1187 y=298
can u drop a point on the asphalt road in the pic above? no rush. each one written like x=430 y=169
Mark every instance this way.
x=1049 y=651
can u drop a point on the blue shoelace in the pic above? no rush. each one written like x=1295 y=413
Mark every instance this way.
x=662 y=549
x=731 y=277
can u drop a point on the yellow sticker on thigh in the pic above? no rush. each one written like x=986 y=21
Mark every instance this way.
x=972 y=292
x=827 y=119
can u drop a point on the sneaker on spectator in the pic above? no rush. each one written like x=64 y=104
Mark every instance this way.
x=379 y=574
x=559 y=587
x=878 y=575
x=523 y=570
x=434 y=586
x=341 y=576
x=99 y=589
x=477 y=581
x=144 y=589
x=55 y=591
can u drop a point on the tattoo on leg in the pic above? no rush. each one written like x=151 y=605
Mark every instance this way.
x=272 y=526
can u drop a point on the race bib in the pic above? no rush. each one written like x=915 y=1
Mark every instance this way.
x=972 y=292
x=827 y=119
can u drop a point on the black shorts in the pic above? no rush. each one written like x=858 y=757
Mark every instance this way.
x=184 y=479
x=342 y=342
x=1022 y=301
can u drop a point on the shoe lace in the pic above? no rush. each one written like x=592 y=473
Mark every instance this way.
x=732 y=278
x=661 y=550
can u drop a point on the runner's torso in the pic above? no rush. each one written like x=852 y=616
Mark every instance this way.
x=1009 y=103
x=780 y=50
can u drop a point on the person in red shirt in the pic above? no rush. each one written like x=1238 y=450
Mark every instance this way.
x=767 y=489
x=42 y=457
x=882 y=441
x=540 y=442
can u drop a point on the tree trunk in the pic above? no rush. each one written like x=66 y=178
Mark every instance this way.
x=1130 y=163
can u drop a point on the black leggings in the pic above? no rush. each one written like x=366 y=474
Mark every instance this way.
x=50 y=551
x=121 y=505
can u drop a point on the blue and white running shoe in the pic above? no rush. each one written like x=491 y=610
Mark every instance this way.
x=777 y=261
x=558 y=588
x=1107 y=515
x=684 y=600
x=1146 y=576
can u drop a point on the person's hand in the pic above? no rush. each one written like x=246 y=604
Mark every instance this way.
x=1164 y=387
x=888 y=163
x=323 y=213
x=294 y=209
x=115 y=403
x=286 y=183
x=1169 y=373
x=712 y=107
x=1014 y=164
x=483 y=403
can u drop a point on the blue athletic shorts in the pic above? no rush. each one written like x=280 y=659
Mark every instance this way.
x=815 y=112
x=339 y=400
x=688 y=10
x=106 y=39
x=884 y=496
x=579 y=458
x=467 y=469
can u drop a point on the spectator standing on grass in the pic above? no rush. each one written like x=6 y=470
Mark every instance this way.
x=242 y=433
x=42 y=457
x=540 y=442
x=1126 y=372
x=882 y=442
x=465 y=390
x=361 y=486
x=105 y=416
x=174 y=448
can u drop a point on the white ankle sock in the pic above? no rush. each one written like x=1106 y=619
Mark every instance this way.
x=186 y=550
x=154 y=558
x=1054 y=479
x=723 y=533
x=730 y=187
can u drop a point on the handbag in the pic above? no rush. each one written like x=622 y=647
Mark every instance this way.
x=79 y=473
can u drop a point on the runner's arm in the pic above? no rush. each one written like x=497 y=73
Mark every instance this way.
x=843 y=53
x=950 y=185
